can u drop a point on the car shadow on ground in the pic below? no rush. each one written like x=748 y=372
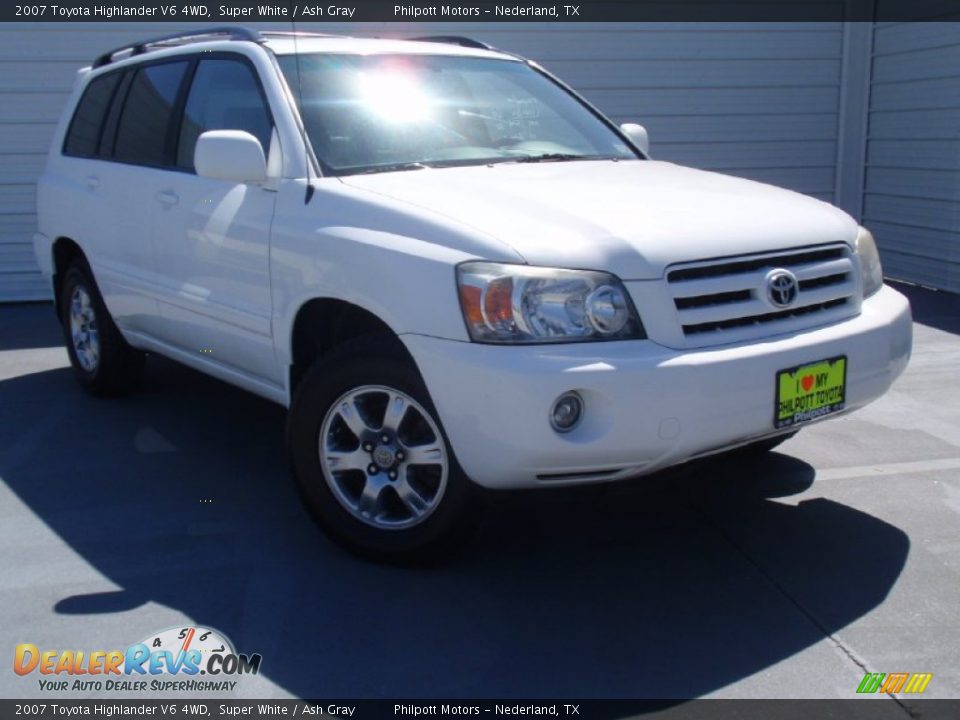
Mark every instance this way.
x=675 y=587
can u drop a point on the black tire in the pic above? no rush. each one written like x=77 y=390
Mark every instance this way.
x=374 y=361
x=118 y=367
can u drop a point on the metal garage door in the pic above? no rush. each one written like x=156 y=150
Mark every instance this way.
x=912 y=183
x=758 y=100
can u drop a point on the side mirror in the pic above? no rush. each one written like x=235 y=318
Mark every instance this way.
x=638 y=136
x=231 y=155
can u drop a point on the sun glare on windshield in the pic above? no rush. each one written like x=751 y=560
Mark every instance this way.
x=394 y=96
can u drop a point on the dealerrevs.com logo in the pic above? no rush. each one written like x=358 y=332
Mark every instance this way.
x=171 y=660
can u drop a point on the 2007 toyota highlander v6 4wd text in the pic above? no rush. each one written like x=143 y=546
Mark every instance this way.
x=449 y=266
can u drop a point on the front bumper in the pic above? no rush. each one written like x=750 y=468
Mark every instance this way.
x=646 y=406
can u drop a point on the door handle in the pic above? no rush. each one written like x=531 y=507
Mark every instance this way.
x=92 y=182
x=167 y=198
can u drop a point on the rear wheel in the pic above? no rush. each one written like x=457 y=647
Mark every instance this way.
x=371 y=459
x=102 y=360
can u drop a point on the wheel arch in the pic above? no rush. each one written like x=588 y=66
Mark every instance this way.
x=322 y=324
x=64 y=252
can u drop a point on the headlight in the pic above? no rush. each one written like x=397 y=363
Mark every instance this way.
x=870 y=271
x=521 y=304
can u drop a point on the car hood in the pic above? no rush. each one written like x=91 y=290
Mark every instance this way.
x=632 y=218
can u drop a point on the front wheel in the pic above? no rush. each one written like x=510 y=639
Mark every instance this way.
x=371 y=459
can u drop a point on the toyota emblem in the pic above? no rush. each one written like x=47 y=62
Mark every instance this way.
x=782 y=288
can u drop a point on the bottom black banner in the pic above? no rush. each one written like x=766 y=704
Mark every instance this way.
x=877 y=708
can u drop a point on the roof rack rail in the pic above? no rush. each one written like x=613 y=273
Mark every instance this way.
x=455 y=40
x=230 y=32
x=298 y=33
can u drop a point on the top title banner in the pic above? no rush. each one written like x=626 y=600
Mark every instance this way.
x=291 y=11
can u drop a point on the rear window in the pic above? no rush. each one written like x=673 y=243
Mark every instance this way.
x=145 y=121
x=83 y=137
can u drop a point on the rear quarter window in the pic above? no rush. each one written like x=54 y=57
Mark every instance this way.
x=83 y=136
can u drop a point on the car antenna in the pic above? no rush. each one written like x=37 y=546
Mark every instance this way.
x=303 y=129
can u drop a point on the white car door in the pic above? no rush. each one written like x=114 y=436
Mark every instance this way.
x=211 y=237
x=125 y=172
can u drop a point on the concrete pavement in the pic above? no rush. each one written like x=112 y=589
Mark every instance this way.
x=789 y=575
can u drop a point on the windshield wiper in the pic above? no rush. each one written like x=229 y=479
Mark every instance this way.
x=392 y=167
x=460 y=162
x=549 y=157
x=558 y=157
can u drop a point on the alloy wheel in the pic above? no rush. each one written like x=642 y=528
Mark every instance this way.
x=383 y=457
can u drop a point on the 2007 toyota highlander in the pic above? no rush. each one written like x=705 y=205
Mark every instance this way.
x=449 y=266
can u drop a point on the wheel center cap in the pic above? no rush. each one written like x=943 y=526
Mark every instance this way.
x=384 y=457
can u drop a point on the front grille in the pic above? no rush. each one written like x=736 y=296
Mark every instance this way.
x=757 y=319
x=732 y=266
x=726 y=299
x=733 y=296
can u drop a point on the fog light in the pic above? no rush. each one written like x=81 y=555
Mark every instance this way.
x=567 y=412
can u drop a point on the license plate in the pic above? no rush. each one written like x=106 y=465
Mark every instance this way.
x=810 y=391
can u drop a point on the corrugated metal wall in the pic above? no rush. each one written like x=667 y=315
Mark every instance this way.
x=912 y=184
x=753 y=99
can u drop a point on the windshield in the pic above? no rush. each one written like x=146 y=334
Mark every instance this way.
x=379 y=113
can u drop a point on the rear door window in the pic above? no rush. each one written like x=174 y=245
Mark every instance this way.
x=225 y=95
x=145 y=121
x=109 y=133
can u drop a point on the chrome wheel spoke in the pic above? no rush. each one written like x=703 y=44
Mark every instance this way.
x=396 y=410
x=368 y=504
x=431 y=454
x=341 y=460
x=349 y=413
x=411 y=498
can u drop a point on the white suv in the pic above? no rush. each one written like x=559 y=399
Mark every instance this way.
x=450 y=267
